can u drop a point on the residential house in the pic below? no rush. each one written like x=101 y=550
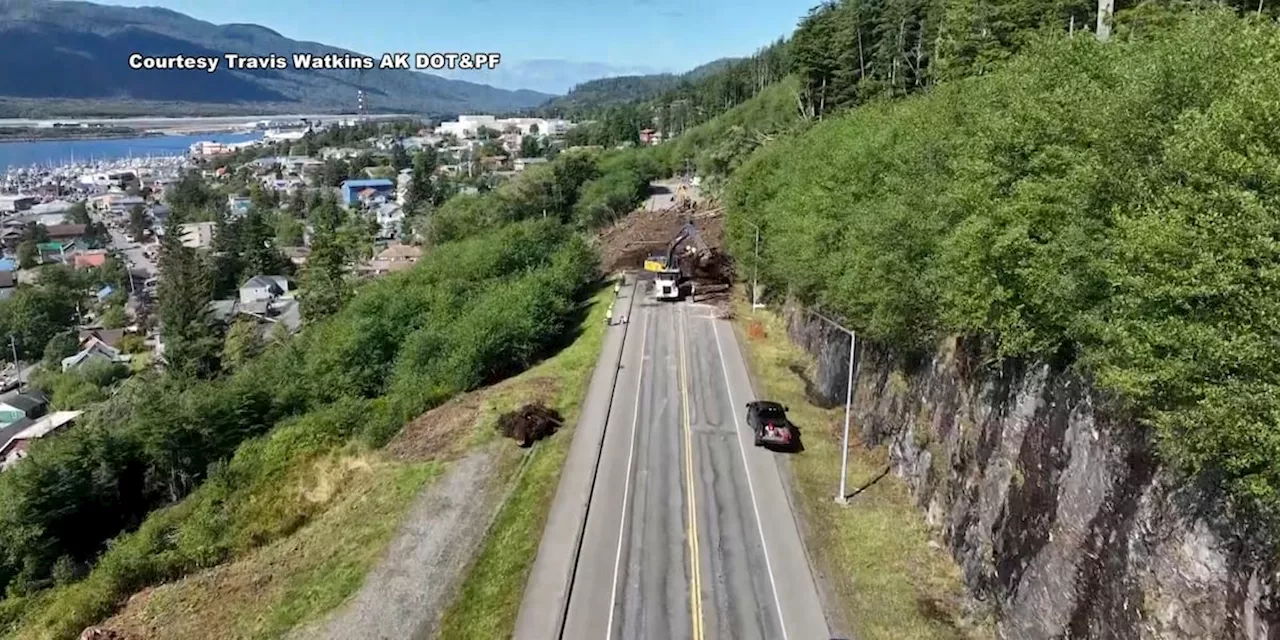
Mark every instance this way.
x=90 y=259
x=370 y=197
x=11 y=236
x=390 y=219
x=109 y=337
x=55 y=252
x=197 y=235
x=275 y=318
x=14 y=204
x=261 y=288
x=296 y=255
x=95 y=351
x=122 y=205
x=104 y=201
x=65 y=233
x=524 y=163
x=47 y=210
x=15 y=406
x=340 y=153
x=354 y=190
x=395 y=258
x=16 y=438
x=492 y=162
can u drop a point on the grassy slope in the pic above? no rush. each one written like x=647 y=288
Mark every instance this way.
x=489 y=600
x=293 y=579
x=887 y=579
x=366 y=494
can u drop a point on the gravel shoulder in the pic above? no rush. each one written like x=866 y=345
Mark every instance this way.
x=404 y=596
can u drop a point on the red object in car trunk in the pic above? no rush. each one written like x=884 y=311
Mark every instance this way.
x=773 y=432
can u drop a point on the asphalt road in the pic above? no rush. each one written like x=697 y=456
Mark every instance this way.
x=678 y=480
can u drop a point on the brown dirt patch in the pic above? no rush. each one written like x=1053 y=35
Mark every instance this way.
x=448 y=431
x=439 y=433
x=626 y=244
x=530 y=423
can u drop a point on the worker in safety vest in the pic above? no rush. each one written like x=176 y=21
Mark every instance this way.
x=617 y=287
x=608 y=315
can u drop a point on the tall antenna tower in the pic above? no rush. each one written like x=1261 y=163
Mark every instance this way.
x=362 y=99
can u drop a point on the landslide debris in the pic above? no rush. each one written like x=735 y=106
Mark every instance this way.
x=529 y=423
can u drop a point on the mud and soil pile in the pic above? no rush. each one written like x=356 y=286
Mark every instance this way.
x=529 y=423
x=644 y=233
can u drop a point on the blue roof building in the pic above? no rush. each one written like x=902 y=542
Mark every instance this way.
x=351 y=189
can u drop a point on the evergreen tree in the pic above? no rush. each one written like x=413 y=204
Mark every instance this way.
x=324 y=286
x=255 y=243
x=191 y=348
x=400 y=158
x=422 y=186
x=138 y=222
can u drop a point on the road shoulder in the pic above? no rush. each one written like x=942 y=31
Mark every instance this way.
x=545 y=601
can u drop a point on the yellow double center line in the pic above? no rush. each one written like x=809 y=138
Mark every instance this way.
x=695 y=586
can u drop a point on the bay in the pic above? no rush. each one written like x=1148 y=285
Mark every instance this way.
x=57 y=152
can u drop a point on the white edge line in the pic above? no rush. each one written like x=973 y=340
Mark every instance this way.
x=750 y=486
x=626 y=486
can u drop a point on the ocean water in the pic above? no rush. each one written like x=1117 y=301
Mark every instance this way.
x=21 y=154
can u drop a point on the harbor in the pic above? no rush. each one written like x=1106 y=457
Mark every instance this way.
x=48 y=155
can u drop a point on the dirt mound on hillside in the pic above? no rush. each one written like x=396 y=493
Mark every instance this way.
x=626 y=244
x=529 y=423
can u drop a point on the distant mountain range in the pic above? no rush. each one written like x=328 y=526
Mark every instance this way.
x=592 y=95
x=66 y=53
x=548 y=76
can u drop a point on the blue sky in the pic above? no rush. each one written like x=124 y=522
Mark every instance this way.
x=670 y=35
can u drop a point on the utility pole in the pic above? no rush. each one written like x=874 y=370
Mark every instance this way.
x=1105 y=8
x=841 y=497
x=16 y=365
x=755 y=270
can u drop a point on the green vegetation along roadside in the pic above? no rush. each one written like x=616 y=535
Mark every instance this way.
x=296 y=578
x=1110 y=205
x=299 y=577
x=887 y=578
x=470 y=313
x=489 y=598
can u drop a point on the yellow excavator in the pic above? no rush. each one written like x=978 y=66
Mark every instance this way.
x=668 y=278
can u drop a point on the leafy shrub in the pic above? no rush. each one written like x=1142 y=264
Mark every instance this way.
x=469 y=312
x=1118 y=202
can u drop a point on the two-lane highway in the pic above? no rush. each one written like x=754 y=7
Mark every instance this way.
x=689 y=533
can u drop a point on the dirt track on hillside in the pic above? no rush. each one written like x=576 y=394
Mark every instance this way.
x=405 y=595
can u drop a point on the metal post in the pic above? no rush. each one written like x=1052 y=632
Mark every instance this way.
x=848 y=406
x=755 y=269
x=16 y=365
x=755 y=272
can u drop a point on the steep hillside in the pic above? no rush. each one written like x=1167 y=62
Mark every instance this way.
x=78 y=51
x=592 y=96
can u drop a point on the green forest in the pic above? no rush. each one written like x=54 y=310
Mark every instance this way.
x=1111 y=205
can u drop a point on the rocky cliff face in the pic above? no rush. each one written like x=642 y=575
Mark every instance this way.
x=1059 y=514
